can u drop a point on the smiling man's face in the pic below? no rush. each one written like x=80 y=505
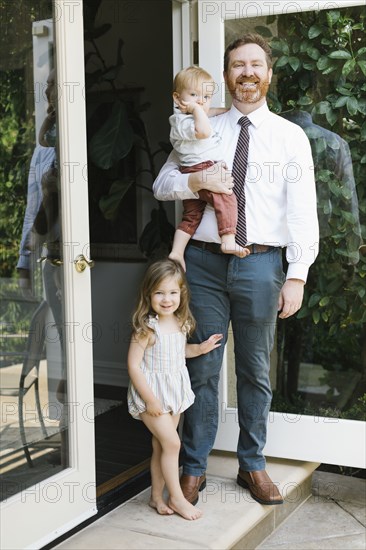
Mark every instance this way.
x=248 y=77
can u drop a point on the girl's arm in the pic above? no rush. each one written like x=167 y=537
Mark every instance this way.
x=193 y=350
x=136 y=352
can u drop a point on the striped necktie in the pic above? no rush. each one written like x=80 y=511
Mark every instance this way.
x=239 y=171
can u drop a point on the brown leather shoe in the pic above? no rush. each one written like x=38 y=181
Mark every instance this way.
x=260 y=486
x=191 y=486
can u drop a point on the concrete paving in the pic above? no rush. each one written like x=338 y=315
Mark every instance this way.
x=333 y=517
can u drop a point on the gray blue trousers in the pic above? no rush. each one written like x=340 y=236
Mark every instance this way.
x=244 y=291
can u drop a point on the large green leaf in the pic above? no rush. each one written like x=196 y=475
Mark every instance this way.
x=305 y=100
x=340 y=54
x=294 y=62
x=314 y=53
x=324 y=301
x=362 y=65
x=109 y=204
x=332 y=17
x=314 y=31
x=329 y=69
x=322 y=107
x=331 y=117
x=323 y=62
x=362 y=105
x=348 y=67
x=264 y=31
x=314 y=299
x=114 y=140
x=341 y=101
x=279 y=45
x=316 y=316
x=281 y=61
x=352 y=105
x=363 y=132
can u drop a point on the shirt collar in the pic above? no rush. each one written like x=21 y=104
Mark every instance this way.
x=256 y=117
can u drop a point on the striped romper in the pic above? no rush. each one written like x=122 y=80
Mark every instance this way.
x=164 y=366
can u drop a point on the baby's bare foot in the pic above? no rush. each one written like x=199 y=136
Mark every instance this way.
x=229 y=246
x=185 y=508
x=161 y=507
x=236 y=250
x=178 y=258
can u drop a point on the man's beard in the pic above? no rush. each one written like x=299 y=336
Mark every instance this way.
x=250 y=95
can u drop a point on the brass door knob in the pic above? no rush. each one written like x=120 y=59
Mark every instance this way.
x=81 y=263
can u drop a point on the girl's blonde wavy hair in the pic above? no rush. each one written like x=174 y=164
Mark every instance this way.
x=154 y=275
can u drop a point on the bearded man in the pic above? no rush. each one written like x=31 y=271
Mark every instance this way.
x=268 y=164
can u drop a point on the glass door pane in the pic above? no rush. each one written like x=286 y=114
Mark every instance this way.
x=33 y=368
x=47 y=439
x=319 y=74
x=318 y=363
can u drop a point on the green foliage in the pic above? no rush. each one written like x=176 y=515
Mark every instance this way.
x=17 y=130
x=17 y=142
x=299 y=405
x=320 y=68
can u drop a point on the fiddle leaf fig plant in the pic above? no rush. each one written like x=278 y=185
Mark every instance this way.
x=116 y=132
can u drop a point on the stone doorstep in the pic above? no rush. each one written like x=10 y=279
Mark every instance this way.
x=232 y=519
x=278 y=514
x=295 y=484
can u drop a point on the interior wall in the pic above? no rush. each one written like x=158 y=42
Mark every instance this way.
x=146 y=30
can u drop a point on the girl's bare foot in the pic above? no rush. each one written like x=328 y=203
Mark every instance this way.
x=161 y=507
x=185 y=508
x=229 y=246
x=178 y=258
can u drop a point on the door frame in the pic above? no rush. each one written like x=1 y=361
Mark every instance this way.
x=68 y=498
x=298 y=437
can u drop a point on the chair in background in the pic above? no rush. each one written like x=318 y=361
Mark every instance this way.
x=29 y=376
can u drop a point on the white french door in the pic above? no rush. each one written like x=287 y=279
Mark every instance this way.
x=35 y=514
x=294 y=436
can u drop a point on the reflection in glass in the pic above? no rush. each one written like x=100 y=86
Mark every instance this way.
x=32 y=361
x=318 y=365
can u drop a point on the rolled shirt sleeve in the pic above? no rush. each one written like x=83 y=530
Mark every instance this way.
x=171 y=184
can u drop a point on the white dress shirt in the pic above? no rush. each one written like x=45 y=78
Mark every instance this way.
x=281 y=207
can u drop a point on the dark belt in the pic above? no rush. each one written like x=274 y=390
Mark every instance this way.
x=215 y=248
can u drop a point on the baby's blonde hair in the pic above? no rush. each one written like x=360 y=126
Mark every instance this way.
x=154 y=275
x=190 y=77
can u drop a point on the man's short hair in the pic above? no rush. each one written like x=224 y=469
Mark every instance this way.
x=250 y=38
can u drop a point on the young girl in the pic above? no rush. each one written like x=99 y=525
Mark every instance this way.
x=159 y=387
